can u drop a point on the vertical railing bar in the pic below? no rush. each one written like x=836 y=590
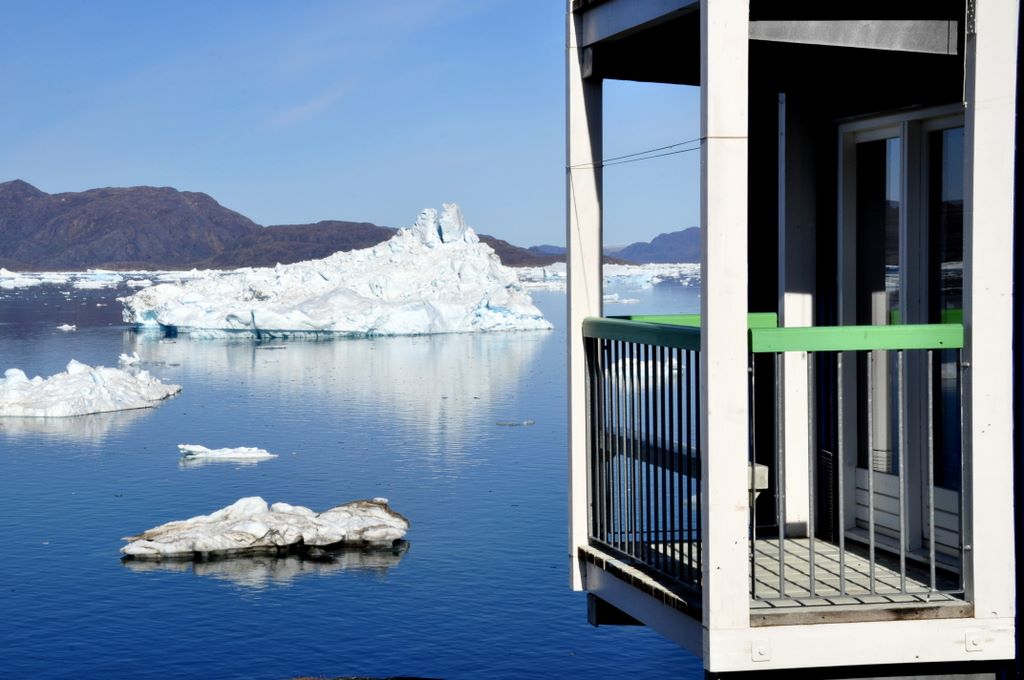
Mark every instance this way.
x=603 y=439
x=841 y=471
x=901 y=459
x=668 y=461
x=593 y=450
x=871 y=471
x=645 y=425
x=627 y=478
x=675 y=492
x=658 y=469
x=670 y=520
x=962 y=580
x=700 y=470
x=633 y=484
x=620 y=449
x=751 y=461
x=780 y=473
x=608 y=436
x=812 y=468
x=688 y=459
x=658 y=436
x=931 y=471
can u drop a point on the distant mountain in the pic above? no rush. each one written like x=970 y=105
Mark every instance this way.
x=547 y=250
x=676 y=246
x=284 y=243
x=671 y=248
x=163 y=228
x=139 y=226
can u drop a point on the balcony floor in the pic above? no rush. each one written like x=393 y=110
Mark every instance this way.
x=795 y=602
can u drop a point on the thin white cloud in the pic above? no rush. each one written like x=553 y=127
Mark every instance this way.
x=311 y=108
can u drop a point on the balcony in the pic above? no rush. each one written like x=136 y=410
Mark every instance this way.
x=871 y=523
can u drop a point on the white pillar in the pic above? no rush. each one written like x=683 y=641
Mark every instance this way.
x=797 y=282
x=991 y=54
x=724 y=348
x=583 y=257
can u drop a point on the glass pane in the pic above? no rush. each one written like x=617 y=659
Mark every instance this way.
x=945 y=290
x=879 y=204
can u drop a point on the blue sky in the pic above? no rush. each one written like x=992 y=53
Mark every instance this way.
x=293 y=112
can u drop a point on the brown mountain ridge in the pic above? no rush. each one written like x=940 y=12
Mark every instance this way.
x=163 y=228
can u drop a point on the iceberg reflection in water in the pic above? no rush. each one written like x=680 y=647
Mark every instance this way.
x=262 y=571
x=439 y=386
x=91 y=429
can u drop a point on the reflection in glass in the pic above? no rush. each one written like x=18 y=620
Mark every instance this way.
x=879 y=207
x=945 y=290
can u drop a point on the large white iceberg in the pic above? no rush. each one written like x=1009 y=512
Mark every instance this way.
x=78 y=391
x=250 y=526
x=435 y=277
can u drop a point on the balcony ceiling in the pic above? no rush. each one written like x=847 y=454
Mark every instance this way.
x=659 y=40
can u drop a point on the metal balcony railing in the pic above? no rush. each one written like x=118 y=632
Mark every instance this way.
x=644 y=434
x=881 y=522
x=643 y=377
x=880 y=525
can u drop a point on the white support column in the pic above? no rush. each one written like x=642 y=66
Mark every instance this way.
x=583 y=243
x=797 y=280
x=724 y=347
x=991 y=53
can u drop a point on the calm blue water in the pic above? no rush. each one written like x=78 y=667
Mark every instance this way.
x=481 y=592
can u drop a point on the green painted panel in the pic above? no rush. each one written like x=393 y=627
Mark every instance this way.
x=647 y=333
x=945 y=316
x=854 y=338
x=754 y=319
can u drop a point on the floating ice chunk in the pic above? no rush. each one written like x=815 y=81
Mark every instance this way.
x=138 y=283
x=551 y=277
x=515 y=423
x=433 y=278
x=250 y=526
x=79 y=390
x=243 y=454
x=11 y=280
x=67 y=327
x=128 y=359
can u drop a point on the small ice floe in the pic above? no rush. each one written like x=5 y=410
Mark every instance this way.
x=271 y=346
x=67 y=327
x=251 y=527
x=615 y=298
x=194 y=453
x=138 y=283
x=96 y=279
x=79 y=390
x=515 y=423
x=128 y=359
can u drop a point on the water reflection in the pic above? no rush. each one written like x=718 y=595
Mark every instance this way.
x=441 y=386
x=91 y=429
x=262 y=571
